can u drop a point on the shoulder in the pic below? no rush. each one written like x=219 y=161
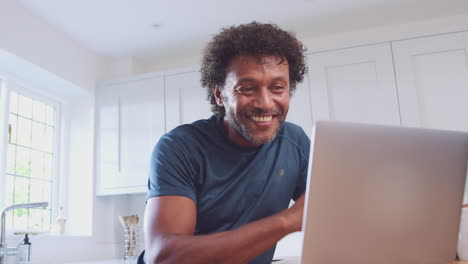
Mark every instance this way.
x=187 y=135
x=293 y=132
x=295 y=135
x=189 y=129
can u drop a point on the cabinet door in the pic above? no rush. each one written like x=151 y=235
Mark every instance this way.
x=131 y=120
x=432 y=79
x=355 y=85
x=185 y=100
x=300 y=112
x=107 y=137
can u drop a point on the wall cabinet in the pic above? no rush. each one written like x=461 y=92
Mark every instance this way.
x=185 y=99
x=432 y=81
x=130 y=120
x=429 y=87
x=354 y=85
x=420 y=82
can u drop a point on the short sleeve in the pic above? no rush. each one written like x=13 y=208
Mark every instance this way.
x=304 y=143
x=171 y=171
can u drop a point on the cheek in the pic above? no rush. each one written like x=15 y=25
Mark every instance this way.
x=284 y=102
x=238 y=103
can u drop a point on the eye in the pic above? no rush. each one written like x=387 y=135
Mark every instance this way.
x=278 y=88
x=246 y=90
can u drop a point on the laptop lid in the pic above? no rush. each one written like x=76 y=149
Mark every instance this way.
x=381 y=194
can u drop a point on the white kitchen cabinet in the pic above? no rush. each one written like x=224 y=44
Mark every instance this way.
x=432 y=80
x=185 y=99
x=130 y=120
x=354 y=85
x=300 y=111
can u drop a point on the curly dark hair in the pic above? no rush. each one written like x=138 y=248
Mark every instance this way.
x=255 y=39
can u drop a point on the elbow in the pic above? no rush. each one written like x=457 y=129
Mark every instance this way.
x=155 y=257
x=159 y=254
x=173 y=250
x=149 y=256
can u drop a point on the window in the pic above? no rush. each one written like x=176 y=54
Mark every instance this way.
x=31 y=158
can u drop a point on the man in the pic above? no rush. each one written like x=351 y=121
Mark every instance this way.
x=219 y=189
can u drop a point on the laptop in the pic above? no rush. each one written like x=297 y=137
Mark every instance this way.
x=382 y=194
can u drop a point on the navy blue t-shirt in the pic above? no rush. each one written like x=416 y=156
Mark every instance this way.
x=231 y=185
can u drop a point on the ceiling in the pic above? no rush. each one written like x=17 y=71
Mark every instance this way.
x=120 y=28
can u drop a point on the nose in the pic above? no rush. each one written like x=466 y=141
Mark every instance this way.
x=263 y=99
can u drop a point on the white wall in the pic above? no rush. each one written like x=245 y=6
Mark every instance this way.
x=32 y=39
x=80 y=169
x=47 y=61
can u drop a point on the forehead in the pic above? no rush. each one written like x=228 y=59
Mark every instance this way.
x=248 y=64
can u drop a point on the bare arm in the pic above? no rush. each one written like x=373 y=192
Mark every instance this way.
x=170 y=224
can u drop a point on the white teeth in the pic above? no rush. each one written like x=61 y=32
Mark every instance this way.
x=261 y=118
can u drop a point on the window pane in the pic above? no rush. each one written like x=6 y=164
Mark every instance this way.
x=49 y=139
x=21 y=190
x=39 y=111
x=9 y=220
x=50 y=112
x=20 y=219
x=11 y=163
x=38 y=135
x=35 y=219
x=13 y=102
x=30 y=161
x=13 y=125
x=24 y=132
x=23 y=161
x=48 y=166
x=10 y=185
x=46 y=216
x=40 y=191
x=47 y=192
x=25 y=106
x=37 y=165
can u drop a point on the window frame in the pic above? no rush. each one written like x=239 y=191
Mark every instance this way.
x=7 y=85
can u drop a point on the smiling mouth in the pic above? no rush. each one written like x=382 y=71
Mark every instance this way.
x=261 y=118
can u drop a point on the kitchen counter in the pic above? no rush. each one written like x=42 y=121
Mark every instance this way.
x=288 y=260
x=109 y=261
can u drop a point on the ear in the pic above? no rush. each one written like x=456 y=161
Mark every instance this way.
x=218 y=95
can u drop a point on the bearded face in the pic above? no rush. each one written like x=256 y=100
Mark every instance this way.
x=255 y=97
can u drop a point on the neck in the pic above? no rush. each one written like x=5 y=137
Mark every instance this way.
x=235 y=137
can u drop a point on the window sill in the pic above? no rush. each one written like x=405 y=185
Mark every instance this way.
x=50 y=237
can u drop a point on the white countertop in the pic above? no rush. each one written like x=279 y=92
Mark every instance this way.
x=108 y=261
x=286 y=260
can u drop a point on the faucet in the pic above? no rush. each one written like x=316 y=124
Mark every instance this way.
x=4 y=250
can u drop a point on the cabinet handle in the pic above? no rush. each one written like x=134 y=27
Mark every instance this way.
x=119 y=135
x=9 y=133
